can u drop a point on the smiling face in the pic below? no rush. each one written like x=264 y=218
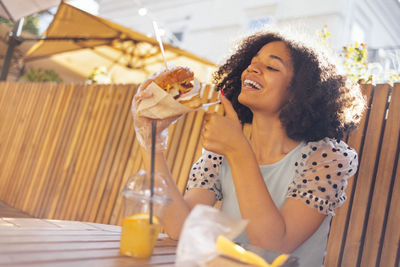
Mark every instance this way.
x=266 y=79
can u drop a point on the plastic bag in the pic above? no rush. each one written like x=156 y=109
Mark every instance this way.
x=197 y=242
x=143 y=129
x=160 y=107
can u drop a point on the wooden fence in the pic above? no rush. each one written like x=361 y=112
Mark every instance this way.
x=66 y=151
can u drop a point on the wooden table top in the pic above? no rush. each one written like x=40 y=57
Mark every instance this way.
x=40 y=242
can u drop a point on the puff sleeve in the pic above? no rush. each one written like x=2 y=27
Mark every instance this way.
x=321 y=174
x=205 y=173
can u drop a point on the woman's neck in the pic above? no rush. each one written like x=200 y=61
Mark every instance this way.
x=269 y=140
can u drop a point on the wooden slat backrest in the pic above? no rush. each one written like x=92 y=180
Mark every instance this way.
x=365 y=231
x=384 y=214
x=338 y=225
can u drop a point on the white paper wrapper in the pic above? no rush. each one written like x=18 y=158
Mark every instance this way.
x=161 y=105
x=197 y=242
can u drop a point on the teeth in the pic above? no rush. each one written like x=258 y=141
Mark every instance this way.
x=252 y=84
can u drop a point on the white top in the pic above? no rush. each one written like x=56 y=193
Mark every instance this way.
x=314 y=172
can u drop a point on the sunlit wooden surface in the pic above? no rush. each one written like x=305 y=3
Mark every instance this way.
x=39 y=242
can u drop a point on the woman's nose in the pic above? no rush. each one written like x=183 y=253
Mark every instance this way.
x=253 y=68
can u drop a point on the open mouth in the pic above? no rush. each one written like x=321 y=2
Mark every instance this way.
x=252 y=84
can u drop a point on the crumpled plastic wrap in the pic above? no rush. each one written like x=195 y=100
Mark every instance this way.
x=197 y=242
x=143 y=130
x=161 y=107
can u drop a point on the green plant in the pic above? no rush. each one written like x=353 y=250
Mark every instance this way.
x=355 y=61
x=5 y=21
x=99 y=75
x=31 y=24
x=38 y=75
x=324 y=34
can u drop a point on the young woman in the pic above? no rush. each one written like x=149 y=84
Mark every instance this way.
x=291 y=175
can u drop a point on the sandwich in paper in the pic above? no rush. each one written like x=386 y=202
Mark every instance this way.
x=175 y=92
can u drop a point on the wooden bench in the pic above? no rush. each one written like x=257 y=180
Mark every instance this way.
x=66 y=151
x=366 y=229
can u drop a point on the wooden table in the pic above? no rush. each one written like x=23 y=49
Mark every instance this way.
x=39 y=242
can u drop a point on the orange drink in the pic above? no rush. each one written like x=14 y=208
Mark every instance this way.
x=138 y=236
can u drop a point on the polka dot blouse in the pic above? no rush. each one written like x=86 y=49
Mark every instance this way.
x=204 y=173
x=321 y=173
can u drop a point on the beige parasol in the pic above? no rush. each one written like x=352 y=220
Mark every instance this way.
x=81 y=42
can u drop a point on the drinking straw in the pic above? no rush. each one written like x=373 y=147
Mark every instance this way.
x=158 y=37
x=153 y=142
x=154 y=126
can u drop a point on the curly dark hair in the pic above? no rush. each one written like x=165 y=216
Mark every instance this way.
x=322 y=103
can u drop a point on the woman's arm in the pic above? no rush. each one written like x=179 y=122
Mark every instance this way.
x=181 y=206
x=273 y=229
x=317 y=189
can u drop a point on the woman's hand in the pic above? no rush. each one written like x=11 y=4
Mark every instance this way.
x=143 y=125
x=223 y=134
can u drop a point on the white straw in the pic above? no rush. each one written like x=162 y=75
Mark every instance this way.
x=158 y=37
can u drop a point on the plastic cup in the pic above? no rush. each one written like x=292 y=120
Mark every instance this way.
x=139 y=235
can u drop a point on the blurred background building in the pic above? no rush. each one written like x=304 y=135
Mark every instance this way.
x=209 y=27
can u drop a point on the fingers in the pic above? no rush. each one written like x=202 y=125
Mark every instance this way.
x=204 y=127
x=208 y=121
x=141 y=91
x=229 y=110
x=210 y=131
x=165 y=123
x=144 y=85
x=142 y=95
x=207 y=117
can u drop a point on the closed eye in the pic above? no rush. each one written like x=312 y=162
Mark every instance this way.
x=271 y=68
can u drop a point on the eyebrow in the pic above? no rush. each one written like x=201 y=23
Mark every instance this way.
x=275 y=57
x=278 y=58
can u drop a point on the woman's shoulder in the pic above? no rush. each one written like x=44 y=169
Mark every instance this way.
x=205 y=173
x=328 y=148
x=321 y=174
x=327 y=153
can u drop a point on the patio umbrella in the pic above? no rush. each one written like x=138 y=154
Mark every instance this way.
x=82 y=42
x=16 y=9
x=17 y=63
